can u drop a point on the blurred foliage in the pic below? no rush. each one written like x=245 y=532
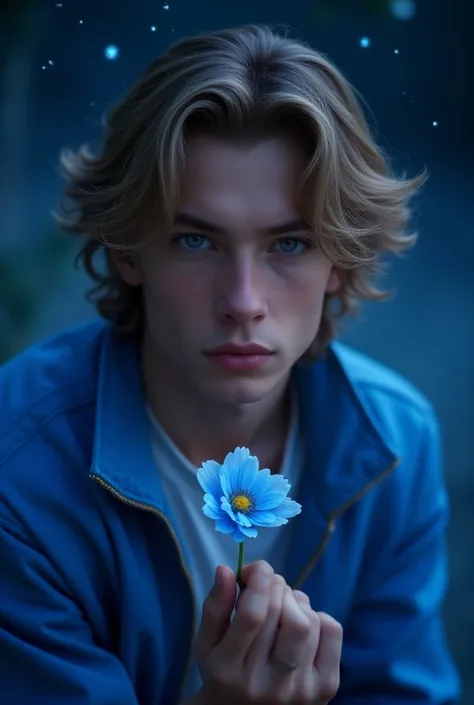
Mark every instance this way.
x=25 y=282
x=19 y=20
x=26 y=277
x=13 y=10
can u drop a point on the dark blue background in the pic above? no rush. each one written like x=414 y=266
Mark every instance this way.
x=425 y=331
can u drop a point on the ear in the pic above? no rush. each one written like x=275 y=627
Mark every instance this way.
x=127 y=267
x=334 y=282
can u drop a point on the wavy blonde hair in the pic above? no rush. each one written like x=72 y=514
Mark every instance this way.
x=243 y=83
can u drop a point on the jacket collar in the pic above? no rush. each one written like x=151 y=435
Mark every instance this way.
x=345 y=454
x=345 y=458
x=344 y=449
x=122 y=455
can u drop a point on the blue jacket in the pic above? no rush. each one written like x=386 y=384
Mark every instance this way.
x=95 y=596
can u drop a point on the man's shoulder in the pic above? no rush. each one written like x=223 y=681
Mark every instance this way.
x=397 y=409
x=370 y=377
x=51 y=378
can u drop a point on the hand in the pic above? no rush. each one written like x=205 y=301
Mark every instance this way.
x=275 y=650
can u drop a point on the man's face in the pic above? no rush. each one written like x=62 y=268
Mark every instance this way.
x=240 y=267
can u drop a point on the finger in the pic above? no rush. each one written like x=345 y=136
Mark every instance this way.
x=216 y=612
x=315 y=629
x=250 y=614
x=293 y=633
x=259 y=652
x=328 y=657
x=247 y=570
x=301 y=597
x=280 y=580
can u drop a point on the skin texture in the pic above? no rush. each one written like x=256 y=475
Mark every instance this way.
x=239 y=279
x=235 y=655
x=239 y=283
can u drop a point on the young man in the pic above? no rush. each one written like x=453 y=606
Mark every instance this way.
x=240 y=203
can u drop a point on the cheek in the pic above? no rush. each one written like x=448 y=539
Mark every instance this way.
x=300 y=292
x=297 y=306
x=173 y=296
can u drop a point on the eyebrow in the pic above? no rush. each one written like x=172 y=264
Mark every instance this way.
x=191 y=221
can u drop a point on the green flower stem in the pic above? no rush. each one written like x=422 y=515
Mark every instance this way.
x=240 y=564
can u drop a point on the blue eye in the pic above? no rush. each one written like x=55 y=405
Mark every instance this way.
x=194 y=242
x=290 y=246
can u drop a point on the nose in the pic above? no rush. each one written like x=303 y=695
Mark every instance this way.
x=242 y=293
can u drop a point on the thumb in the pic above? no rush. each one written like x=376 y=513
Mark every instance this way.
x=216 y=612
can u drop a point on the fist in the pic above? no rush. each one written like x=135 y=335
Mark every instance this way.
x=276 y=649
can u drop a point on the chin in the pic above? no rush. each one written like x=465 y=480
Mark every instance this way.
x=240 y=391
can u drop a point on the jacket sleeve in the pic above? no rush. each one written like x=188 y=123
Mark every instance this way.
x=47 y=650
x=394 y=649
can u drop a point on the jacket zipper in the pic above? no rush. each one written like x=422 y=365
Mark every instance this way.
x=160 y=515
x=331 y=525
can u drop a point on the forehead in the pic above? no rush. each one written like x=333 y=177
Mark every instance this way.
x=237 y=180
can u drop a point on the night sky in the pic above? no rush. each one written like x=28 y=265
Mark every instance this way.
x=66 y=63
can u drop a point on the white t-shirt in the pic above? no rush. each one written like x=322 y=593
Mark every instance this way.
x=205 y=547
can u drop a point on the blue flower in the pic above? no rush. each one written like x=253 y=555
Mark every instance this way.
x=239 y=497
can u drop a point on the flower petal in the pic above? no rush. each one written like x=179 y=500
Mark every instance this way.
x=238 y=471
x=225 y=524
x=208 y=478
x=209 y=512
x=242 y=532
x=261 y=482
x=250 y=531
x=243 y=519
x=226 y=482
x=287 y=509
x=259 y=518
x=225 y=506
x=211 y=500
x=280 y=521
x=238 y=535
x=278 y=483
x=270 y=500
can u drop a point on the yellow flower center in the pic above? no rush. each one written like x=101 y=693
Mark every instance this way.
x=241 y=503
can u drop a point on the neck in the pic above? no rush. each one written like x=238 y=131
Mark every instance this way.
x=187 y=418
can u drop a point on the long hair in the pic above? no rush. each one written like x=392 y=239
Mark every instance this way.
x=241 y=82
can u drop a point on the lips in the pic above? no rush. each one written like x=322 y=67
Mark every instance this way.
x=234 y=349
x=240 y=358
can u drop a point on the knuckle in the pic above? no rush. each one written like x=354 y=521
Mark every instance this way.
x=301 y=597
x=274 y=609
x=305 y=694
x=330 y=685
x=263 y=566
x=301 y=628
x=251 y=619
x=279 y=696
x=222 y=676
x=220 y=671
x=330 y=625
x=315 y=624
x=275 y=602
